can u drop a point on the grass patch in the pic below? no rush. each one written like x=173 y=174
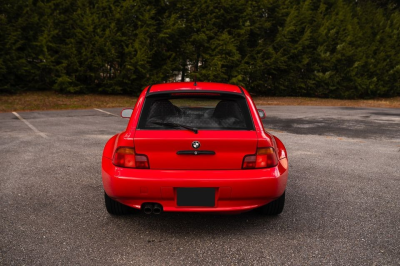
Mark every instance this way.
x=33 y=101
x=379 y=103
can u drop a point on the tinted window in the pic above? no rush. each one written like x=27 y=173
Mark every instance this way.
x=219 y=111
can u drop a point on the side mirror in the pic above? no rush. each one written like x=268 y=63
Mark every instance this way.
x=261 y=113
x=126 y=113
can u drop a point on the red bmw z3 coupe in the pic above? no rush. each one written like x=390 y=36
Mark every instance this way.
x=194 y=147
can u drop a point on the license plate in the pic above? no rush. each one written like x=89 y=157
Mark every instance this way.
x=196 y=197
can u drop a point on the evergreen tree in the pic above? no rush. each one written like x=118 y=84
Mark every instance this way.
x=328 y=48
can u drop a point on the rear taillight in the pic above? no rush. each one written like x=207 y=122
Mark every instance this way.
x=264 y=158
x=126 y=157
x=249 y=162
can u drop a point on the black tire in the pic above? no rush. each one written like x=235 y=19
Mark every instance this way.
x=275 y=207
x=114 y=207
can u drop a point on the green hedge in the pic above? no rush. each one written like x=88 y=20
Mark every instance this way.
x=325 y=48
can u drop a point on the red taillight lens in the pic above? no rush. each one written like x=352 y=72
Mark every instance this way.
x=249 y=162
x=142 y=162
x=264 y=158
x=126 y=157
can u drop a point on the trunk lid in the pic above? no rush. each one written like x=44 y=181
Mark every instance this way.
x=162 y=148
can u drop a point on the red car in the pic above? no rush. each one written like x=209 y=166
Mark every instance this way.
x=194 y=147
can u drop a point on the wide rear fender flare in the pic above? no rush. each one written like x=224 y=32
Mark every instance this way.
x=281 y=148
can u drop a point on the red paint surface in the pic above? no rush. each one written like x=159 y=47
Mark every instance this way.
x=200 y=86
x=237 y=189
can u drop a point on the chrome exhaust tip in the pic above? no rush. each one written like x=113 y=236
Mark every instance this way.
x=157 y=209
x=148 y=208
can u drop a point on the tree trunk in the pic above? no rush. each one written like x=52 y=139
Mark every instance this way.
x=183 y=73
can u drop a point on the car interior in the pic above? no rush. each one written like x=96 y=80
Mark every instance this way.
x=226 y=114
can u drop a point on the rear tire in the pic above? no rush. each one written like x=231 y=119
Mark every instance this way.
x=114 y=207
x=275 y=207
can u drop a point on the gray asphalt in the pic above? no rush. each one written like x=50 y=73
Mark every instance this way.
x=342 y=204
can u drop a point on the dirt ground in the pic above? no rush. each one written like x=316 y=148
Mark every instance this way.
x=35 y=101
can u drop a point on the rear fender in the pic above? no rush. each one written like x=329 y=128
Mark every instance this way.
x=123 y=139
x=107 y=168
x=109 y=147
x=264 y=139
x=281 y=148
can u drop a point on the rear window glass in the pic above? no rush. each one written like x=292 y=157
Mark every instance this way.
x=216 y=111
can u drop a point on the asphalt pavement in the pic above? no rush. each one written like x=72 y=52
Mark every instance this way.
x=342 y=199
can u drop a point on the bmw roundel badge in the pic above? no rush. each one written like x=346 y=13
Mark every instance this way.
x=196 y=144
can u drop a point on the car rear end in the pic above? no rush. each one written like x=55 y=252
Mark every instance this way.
x=195 y=150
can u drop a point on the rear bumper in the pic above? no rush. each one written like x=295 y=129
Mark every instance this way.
x=236 y=190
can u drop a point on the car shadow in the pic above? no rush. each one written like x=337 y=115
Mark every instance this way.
x=200 y=223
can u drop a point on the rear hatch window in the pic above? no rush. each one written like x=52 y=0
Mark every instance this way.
x=210 y=111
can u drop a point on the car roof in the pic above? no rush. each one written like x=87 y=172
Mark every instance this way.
x=200 y=86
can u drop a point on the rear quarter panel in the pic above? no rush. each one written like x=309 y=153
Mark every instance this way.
x=264 y=138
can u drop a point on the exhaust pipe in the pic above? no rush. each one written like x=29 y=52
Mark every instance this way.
x=148 y=208
x=157 y=209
